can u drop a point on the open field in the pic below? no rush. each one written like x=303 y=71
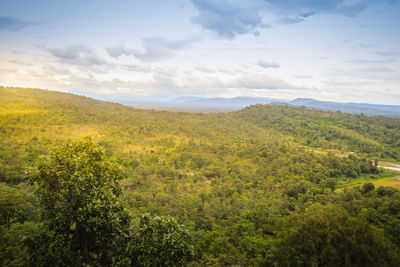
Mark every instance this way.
x=393 y=181
x=390 y=177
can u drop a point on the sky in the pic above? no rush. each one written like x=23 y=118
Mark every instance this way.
x=335 y=50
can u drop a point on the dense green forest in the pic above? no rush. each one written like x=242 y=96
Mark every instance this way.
x=264 y=186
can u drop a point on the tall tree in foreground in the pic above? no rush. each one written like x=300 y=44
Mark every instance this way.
x=84 y=220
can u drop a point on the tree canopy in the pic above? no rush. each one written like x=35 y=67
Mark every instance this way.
x=265 y=186
x=84 y=219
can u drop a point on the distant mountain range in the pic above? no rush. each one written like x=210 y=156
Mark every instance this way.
x=355 y=108
x=221 y=104
x=239 y=102
x=199 y=104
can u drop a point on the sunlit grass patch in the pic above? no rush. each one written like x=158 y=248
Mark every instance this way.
x=393 y=182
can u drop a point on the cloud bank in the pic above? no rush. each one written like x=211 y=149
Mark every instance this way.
x=229 y=18
x=74 y=54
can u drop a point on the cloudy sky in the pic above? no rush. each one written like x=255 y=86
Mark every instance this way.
x=340 y=50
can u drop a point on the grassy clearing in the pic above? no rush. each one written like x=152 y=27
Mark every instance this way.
x=393 y=182
x=386 y=178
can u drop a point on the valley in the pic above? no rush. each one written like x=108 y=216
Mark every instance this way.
x=241 y=183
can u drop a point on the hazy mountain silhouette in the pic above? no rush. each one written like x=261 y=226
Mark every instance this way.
x=369 y=109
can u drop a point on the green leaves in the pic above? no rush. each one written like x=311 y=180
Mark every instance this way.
x=329 y=236
x=10 y=201
x=241 y=182
x=85 y=221
x=81 y=197
x=161 y=241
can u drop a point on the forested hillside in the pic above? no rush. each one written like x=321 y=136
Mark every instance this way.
x=377 y=137
x=253 y=187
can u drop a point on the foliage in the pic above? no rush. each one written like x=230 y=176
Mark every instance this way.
x=246 y=185
x=161 y=241
x=377 y=136
x=328 y=236
x=12 y=249
x=84 y=220
x=10 y=202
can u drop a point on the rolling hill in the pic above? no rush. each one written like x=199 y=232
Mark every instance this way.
x=245 y=184
x=355 y=108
